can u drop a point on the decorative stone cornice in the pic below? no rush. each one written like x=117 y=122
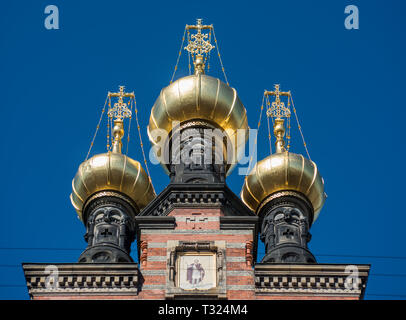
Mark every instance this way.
x=239 y=222
x=309 y=279
x=83 y=278
x=188 y=195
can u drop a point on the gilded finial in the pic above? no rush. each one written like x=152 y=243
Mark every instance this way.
x=278 y=111
x=279 y=132
x=119 y=112
x=199 y=48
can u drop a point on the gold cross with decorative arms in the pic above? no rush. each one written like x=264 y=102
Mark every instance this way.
x=120 y=109
x=278 y=108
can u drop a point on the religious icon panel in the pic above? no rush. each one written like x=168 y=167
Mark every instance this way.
x=196 y=271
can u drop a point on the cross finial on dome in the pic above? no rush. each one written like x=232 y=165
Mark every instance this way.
x=199 y=48
x=279 y=111
x=120 y=109
x=278 y=108
x=119 y=112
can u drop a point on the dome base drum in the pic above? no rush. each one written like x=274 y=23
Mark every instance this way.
x=285 y=223
x=110 y=225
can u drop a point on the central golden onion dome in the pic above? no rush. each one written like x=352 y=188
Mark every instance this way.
x=112 y=173
x=199 y=101
x=200 y=98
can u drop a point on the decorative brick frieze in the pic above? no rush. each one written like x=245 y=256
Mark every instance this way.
x=196 y=232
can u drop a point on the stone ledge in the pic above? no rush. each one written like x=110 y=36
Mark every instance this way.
x=308 y=279
x=155 y=222
x=82 y=278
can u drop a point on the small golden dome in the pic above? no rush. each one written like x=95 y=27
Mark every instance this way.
x=282 y=172
x=111 y=171
x=203 y=98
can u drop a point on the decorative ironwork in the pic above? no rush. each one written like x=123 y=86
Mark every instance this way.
x=278 y=109
x=120 y=109
x=199 y=46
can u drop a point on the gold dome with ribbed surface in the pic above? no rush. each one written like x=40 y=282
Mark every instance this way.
x=111 y=171
x=284 y=171
x=202 y=98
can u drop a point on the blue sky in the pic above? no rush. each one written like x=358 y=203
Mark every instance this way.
x=348 y=89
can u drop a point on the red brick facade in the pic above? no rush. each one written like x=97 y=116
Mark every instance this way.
x=243 y=279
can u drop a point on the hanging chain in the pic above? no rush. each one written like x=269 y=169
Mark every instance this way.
x=111 y=132
x=288 y=135
x=188 y=53
x=129 y=126
x=141 y=144
x=180 y=53
x=218 y=53
x=108 y=127
x=269 y=126
x=208 y=55
x=256 y=138
x=97 y=128
x=300 y=128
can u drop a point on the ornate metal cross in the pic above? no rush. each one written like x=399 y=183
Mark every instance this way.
x=199 y=46
x=278 y=108
x=120 y=109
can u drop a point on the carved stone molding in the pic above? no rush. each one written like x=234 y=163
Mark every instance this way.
x=190 y=195
x=309 y=279
x=81 y=278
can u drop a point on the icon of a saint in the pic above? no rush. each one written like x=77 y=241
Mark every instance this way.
x=195 y=273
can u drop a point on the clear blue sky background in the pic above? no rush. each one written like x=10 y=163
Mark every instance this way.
x=348 y=88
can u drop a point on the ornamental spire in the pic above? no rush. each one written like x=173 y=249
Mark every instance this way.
x=199 y=48
x=119 y=112
x=278 y=111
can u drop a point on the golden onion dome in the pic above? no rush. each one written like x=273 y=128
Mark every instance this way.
x=284 y=171
x=200 y=98
x=111 y=171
